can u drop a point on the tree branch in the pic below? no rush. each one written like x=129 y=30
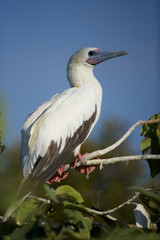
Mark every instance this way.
x=89 y=159
x=104 y=213
x=102 y=152
x=113 y=160
x=129 y=201
x=108 y=212
x=40 y=199
x=92 y=159
x=118 y=221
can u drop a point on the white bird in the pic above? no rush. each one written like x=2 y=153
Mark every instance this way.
x=60 y=126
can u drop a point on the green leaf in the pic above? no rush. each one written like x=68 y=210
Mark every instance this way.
x=67 y=216
x=69 y=193
x=151 y=143
x=149 y=130
x=145 y=144
x=28 y=208
x=51 y=194
x=87 y=225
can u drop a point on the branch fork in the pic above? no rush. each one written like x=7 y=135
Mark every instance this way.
x=94 y=157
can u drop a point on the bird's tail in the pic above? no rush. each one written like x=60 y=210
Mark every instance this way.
x=14 y=205
x=17 y=201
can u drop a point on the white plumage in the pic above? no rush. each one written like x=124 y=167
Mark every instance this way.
x=59 y=118
x=59 y=126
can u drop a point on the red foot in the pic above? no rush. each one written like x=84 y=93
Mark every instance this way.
x=60 y=175
x=83 y=169
x=78 y=158
x=62 y=172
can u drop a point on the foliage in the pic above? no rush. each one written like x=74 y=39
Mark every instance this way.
x=151 y=143
x=63 y=215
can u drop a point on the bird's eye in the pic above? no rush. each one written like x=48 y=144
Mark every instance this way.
x=91 y=53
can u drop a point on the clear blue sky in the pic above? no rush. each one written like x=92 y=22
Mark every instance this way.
x=38 y=37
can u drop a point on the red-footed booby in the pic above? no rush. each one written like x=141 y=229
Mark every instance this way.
x=59 y=126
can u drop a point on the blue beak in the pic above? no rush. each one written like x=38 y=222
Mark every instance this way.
x=101 y=56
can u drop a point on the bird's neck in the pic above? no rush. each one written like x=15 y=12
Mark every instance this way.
x=78 y=75
x=81 y=75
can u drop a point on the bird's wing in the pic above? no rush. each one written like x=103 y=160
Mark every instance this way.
x=57 y=131
x=30 y=122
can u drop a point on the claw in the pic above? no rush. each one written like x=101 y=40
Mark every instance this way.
x=83 y=169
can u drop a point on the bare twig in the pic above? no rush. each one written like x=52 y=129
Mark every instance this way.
x=108 y=212
x=113 y=160
x=129 y=201
x=99 y=153
x=40 y=199
x=116 y=208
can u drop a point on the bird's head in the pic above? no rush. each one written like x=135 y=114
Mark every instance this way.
x=84 y=60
